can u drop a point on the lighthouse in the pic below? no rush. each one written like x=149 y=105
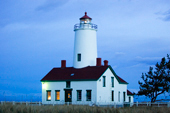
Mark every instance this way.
x=85 y=43
x=88 y=81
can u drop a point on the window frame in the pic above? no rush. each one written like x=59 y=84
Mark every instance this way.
x=79 y=57
x=87 y=95
x=112 y=81
x=79 y=94
x=112 y=95
x=56 y=95
x=68 y=84
x=104 y=81
x=129 y=99
x=124 y=96
x=119 y=96
x=47 y=91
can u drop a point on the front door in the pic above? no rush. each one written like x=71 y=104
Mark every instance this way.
x=68 y=96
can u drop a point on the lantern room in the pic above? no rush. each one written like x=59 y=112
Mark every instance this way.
x=85 y=19
x=85 y=23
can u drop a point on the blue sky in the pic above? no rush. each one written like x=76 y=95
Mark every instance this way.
x=35 y=35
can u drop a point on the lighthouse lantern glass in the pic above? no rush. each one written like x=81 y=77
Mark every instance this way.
x=85 y=21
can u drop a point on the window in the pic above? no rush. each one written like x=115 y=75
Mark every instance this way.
x=57 y=95
x=79 y=57
x=112 y=81
x=124 y=96
x=48 y=95
x=104 y=81
x=112 y=95
x=88 y=98
x=67 y=84
x=119 y=96
x=129 y=99
x=78 y=95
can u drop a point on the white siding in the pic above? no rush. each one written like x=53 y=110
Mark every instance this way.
x=104 y=93
x=75 y=85
x=85 y=44
x=132 y=99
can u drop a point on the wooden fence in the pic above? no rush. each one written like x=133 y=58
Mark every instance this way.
x=155 y=104
x=20 y=103
x=115 y=105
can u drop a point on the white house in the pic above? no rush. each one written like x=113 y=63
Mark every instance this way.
x=88 y=81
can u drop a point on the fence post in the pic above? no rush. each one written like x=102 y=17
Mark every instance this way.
x=1 y=102
x=114 y=105
x=39 y=103
x=168 y=104
x=137 y=103
x=13 y=103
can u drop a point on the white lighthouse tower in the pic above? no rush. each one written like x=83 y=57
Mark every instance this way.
x=85 y=44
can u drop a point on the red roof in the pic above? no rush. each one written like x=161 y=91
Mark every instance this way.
x=85 y=17
x=121 y=79
x=82 y=74
x=129 y=93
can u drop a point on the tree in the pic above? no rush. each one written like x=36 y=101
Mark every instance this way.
x=157 y=81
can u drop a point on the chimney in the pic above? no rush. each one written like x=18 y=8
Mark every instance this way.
x=98 y=63
x=105 y=62
x=63 y=63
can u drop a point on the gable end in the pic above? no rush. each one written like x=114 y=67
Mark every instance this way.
x=120 y=80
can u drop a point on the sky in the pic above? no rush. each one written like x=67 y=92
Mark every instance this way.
x=35 y=35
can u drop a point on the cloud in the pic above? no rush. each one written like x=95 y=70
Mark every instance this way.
x=119 y=53
x=138 y=65
x=51 y=4
x=147 y=60
x=167 y=18
x=16 y=26
x=165 y=15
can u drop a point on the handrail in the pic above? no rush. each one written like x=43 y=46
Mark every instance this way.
x=81 y=26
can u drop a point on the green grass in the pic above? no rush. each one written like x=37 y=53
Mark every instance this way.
x=8 y=108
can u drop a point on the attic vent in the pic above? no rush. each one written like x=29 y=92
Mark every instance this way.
x=72 y=74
